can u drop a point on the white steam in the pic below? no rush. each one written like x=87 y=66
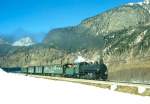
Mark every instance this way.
x=80 y=59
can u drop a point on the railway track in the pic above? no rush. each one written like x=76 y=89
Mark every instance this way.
x=132 y=88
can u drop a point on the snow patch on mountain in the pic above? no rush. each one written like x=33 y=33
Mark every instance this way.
x=140 y=37
x=27 y=41
x=139 y=3
x=144 y=4
x=147 y=1
x=2 y=71
x=146 y=8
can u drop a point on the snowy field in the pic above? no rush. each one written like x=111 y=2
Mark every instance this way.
x=19 y=89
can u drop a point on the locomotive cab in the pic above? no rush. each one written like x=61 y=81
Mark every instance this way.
x=70 y=70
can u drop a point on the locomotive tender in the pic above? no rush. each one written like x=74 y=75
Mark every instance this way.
x=79 y=70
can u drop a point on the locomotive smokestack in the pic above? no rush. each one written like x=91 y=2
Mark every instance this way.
x=101 y=61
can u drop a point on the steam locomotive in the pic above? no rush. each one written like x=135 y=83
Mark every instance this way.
x=80 y=70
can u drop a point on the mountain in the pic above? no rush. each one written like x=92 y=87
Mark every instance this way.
x=119 y=18
x=96 y=27
x=120 y=35
x=38 y=36
x=124 y=40
x=21 y=33
x=26 y=41
x=73 y=38
x=17 y=34
x=147 y=2
x=3 y=40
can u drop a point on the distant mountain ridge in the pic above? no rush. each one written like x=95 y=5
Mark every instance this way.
x=3 y=40
x=21 y=33
x=73 y=38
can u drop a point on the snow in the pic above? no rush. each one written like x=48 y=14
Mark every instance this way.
x=113 y=87
x=107 y=48
x=138 y=39
x=131 y=32
x=141 y=89
x=27 y=41
x=140 y=3
x=19 y=89
x=147 y=1
x=2 y=72
x=131 y=4
x=146 y=8
x=145 y=32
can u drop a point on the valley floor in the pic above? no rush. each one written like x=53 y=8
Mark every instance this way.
x=19 y=89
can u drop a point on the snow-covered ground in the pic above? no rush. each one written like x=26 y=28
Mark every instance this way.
x=19 y=89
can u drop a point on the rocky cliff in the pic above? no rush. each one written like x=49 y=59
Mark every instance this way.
x=119 y=18
x=91 y=31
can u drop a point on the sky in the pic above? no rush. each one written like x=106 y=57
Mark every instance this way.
x=44 y=15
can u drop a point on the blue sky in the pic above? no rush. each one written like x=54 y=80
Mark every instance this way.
x=44 y=15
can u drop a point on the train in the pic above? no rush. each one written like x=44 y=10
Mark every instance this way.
x=74 y=70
